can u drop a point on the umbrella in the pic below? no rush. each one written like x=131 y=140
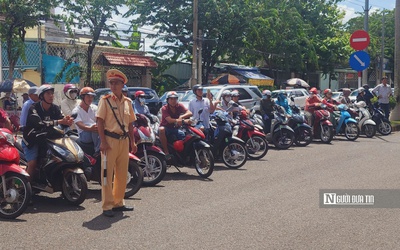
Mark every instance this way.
x=297 y=82
x=16 y=85
x=227 y=79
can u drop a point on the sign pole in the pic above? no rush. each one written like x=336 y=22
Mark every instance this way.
x=359 y=79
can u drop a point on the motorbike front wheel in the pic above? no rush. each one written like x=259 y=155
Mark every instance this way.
x=326 y=134
x=283 y=139
x=74 y=188
x=234 y=155
x=370 y=130
x=15 y=199
x=303 y=137
x=351 y=131
x=134 y=180
x=205 y=164
x=155 y=171
x=257 y=147
x=385 y=128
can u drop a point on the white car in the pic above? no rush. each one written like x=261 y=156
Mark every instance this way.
x=300 y=96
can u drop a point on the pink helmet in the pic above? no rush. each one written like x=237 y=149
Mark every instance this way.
x=68 y=88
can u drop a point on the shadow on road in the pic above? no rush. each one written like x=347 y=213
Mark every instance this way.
x=101 y=222
x=183 y=176
x=46 y=204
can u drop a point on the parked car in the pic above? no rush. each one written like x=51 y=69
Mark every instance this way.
x=152 y=99
x=337 y=96
x=181 y=94
x=299 y=95
x=248 y=94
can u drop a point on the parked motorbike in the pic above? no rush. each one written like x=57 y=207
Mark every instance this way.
x=302 y=131
x=92 y=168
x=322 y=126
x=345 y=124
x=226 y=146
x=382 y=123
x=60 y=165
x=281 y=135
x=365 y=123
x=152 y=158
x=252 y=135
x=191 y=151
x=15 y=190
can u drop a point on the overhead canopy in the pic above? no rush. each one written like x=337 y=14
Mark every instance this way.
x=129 y=60
x=254 y=76
x=16 y=85
x=227 y=79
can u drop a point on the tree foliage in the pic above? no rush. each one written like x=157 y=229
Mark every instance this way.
x=93 y=16
x=297 y=35
x=20 y=15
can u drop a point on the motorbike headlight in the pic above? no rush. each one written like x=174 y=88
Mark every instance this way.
x=81 y=154
x=69 y=157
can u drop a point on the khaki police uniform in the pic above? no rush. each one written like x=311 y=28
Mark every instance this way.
x=118 y=155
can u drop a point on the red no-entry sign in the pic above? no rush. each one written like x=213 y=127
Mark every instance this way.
x=359 y=40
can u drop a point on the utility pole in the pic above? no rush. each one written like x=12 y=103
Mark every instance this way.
x=382 y=47
x=194 y=52
x=366 y=14
x=200 y=58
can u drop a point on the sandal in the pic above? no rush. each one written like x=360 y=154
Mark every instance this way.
x=168 y=157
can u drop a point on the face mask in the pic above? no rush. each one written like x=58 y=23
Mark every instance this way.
x=227 y=99
x=73 y=96
x=141 y=100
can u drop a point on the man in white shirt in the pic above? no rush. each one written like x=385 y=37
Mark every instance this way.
x=206 y=104
x=383 y=91
x=86 y=119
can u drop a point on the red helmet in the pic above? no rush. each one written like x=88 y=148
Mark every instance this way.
x=327 y=91
x=178 y=146
x=139 y=93
x=314 y=90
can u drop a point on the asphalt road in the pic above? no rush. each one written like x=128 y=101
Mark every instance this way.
x=268 y=204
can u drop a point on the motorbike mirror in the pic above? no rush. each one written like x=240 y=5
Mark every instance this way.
x=74 y=115
x=292 y=98
x=235 y=105
x=200 y=111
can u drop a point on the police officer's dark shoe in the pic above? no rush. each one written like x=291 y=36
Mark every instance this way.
x=108 y=213
x=122 y=208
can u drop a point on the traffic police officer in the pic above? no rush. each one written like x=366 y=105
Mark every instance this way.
x=114 y=121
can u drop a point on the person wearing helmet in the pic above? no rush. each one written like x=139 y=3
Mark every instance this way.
x=173 y=115
x=361 y=95
x=312 y=102
x=345 y=98
x=330 y=103
x=139 y=105
x=283 y=102
x=125 y=91
x=43 y=110
x=200 y=103
x=71 y=100
x=368 y=95
x=33 y=98
x=226 y=101
x=115 y=116
x=85 y=120
x=266 y=109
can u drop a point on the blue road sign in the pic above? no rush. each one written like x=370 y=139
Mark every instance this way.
x=359 y=60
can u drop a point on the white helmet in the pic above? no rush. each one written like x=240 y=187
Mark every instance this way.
x=361 y=104
x=266 y=92
x=226 y=93
x=44 y=88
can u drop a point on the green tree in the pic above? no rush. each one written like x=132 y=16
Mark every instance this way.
x=222 y=22
x=92 y=15
x=20 y=15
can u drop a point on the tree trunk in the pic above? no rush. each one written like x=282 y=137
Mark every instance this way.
x=395 y=114
x=89 y=65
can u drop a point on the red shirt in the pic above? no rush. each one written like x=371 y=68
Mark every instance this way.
x=167 y=111
x=310 y=103
x=331 y=103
